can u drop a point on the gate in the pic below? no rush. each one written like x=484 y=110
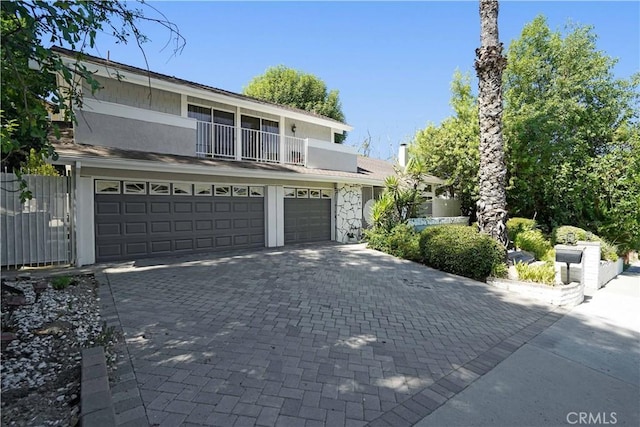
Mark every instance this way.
x=36 y=232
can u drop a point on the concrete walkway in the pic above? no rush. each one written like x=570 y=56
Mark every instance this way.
x=585 y=369
x=334 y=335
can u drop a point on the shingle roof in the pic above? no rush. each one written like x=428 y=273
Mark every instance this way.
x=372 y=171
x=177 y=80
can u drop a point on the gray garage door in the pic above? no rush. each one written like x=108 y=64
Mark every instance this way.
x=137 y=226
x=307 y=220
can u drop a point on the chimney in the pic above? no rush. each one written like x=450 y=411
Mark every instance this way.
x=403 y=155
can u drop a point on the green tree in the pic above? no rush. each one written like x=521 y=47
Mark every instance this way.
x=35 y=164
x=492 y=201
x=34 y=78
x=450 y=150
x=287 y=86
x=563 y=110
x=617 y=177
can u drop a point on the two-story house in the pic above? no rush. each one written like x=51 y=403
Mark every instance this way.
x=166 y=166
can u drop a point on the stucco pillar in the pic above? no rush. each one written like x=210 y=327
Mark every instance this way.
x=274 y=216
x=590 y=266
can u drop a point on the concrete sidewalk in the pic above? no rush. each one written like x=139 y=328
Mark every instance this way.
x=584 y=369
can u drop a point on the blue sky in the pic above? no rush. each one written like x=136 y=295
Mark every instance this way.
x=391 y=61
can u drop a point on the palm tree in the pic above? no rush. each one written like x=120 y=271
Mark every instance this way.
x=491 y=207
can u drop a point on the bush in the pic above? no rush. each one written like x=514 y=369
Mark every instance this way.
x=534 y=241
x=560 y=235
x=61 y=282
x=539 y=273
x=517 y=225
x=401 y=241
x=608 y=251
x=461 y=250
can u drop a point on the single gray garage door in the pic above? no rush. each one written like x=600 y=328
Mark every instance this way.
x=132 y=226
x=307 y=220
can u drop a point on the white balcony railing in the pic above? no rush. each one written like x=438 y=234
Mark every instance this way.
x=220 y=141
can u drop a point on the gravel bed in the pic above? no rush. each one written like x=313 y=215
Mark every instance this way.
x=41 y=368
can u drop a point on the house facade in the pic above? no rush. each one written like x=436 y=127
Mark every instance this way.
x=165 y=166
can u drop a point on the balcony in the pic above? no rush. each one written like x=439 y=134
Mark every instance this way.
x=229 y=142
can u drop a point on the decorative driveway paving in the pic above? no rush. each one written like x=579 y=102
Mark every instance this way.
x=308 y=335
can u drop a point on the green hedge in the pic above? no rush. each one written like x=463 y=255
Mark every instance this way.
x=461 y=250
x=517 y=225
x=534 y=241
x=401 y=241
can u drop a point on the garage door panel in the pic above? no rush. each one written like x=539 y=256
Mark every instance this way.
x=108 y=208
x=223 y=224
x=160 y=207
x=109 y=250
x=160 y=226
x=135 y=228
x=222 y=206
x=180 y=226
x=184 y=244
x=203 y=207
x=223 y=241
x=241 y=240
x=204 y=225
x=135 y=208
x=307 y=220
x=205 y=243
x=132 y=226
x=241 y=207
x=136 y=248
x=161 y=246
x=240 y=223
x=108 y=230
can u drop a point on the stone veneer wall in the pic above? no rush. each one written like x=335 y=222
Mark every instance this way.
x=348 y=211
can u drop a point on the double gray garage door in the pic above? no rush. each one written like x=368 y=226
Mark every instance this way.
x=130 y=226
x=137 y=226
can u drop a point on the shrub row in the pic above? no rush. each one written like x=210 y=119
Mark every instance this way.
x=401 y=241
x=517 y=225
x=534 y=241
x=461 y=250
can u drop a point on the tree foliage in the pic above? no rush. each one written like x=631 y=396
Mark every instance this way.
x=287 y=86
x=572 y=137
x=450 y=150
x=565 y=111
x=36 y=80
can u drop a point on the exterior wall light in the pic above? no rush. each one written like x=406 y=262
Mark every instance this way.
x=293 y=128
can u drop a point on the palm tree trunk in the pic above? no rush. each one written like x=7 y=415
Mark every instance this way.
x=491 y=206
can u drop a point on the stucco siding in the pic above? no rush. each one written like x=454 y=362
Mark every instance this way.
x=123 y=92
x=328 y=159
x=112 y=131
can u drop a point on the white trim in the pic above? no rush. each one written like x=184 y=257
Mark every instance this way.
x=145 y=80
x=124 y=187
x=127 y=112
x=85 y=226
x=108 y=192
x=153 y=192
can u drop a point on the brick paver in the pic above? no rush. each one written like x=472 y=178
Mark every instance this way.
x=326 y=334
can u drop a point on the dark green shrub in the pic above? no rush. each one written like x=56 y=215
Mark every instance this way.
x=533 y=241
x=461 y=250
x=401 y=241
x=517 y=225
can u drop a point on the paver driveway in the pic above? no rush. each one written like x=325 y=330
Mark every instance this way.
x=309 y=335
